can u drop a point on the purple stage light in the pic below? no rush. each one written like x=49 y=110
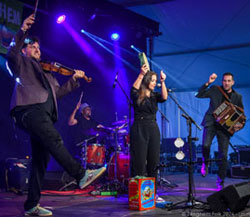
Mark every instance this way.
x=92 y=17
x=115 y=36
x=61 y=19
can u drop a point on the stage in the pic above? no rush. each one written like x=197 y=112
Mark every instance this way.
x=87 y=205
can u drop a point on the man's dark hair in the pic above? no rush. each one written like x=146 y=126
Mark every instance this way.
x=30 y=40
x=228 y=73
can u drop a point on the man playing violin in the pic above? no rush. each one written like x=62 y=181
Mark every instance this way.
x=34 y=109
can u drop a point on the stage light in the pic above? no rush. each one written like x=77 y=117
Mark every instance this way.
x=135 y=49
x=115 y=36
x=8 y=68
x=18 y=80
x=61 y=19
x=82 y=30
x=92 y=17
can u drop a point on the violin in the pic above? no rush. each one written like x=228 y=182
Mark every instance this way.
x=61 y=69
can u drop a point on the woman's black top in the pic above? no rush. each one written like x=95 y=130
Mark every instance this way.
x=148 y=107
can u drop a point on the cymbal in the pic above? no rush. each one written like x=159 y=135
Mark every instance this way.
x=120 y=122
x=101 y=131
x=107 y=130
x=122 y=131
x=111 y=130
x=91 y=132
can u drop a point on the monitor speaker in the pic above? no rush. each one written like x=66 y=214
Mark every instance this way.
x=233 y=198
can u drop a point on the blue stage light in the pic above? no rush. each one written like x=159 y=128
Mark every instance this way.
x=82 y=30
x=115 y=36
x=18 y=80
x=61 y=19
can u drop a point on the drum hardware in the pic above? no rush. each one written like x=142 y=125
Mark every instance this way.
x=84 y=144
x=122 y=166
x=118 y=163
x=93 y=154
x=87 y=140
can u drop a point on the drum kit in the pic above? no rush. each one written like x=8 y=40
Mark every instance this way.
x=110 y=148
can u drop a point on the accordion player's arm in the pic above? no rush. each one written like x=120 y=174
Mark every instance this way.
x=240 y=104
x=204 y=91
x=241 y=109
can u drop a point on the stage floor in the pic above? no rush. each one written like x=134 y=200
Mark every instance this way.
x=11 y=204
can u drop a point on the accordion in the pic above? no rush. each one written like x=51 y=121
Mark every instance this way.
x=229 y=115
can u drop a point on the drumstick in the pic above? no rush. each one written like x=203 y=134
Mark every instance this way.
x=35 y=8
x=80 y=100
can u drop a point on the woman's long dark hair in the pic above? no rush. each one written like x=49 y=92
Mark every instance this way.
x=144 y=85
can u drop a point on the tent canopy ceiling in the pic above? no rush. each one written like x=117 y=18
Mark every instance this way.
x=199 y=38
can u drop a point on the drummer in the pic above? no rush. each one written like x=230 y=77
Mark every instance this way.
x=84 y=123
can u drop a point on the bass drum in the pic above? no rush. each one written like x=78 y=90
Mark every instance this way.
x=122 y=166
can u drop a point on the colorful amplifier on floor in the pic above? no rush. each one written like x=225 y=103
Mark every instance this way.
x=141 y=193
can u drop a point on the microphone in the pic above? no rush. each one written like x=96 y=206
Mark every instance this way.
x=168 y=89
x=115 y=81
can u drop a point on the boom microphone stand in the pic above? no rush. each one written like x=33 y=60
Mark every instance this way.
x=163 y=181
x=130 y=103
x=190 y=201
x=116 y=182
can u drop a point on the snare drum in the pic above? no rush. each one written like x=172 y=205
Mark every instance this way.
x=122 y=166
x=95 y=154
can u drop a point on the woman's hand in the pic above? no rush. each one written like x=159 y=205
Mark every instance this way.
x=144 y=69
x=163 y=76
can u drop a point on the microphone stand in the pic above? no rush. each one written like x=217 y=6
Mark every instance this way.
x=130 y=103
x=162 y=180
x=190 y=201
x=116 y=131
